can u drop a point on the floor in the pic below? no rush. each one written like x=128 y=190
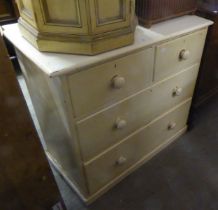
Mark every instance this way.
x=183 y=177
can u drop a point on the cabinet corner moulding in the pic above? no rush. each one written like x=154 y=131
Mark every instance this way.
x=77 y=26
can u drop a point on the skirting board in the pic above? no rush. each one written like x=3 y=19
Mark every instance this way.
x=104 y=189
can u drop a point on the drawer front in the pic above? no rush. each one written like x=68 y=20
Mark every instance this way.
x=116 y=161
x=103 y=85
x=176 y=55
x=108 y=127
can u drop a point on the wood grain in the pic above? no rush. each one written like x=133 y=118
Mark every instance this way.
x=26 y=180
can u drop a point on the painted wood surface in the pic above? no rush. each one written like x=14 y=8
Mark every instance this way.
x=88 y=106
x=85 y=27
x=179 y=54
x=135 y=147
x=100 y=131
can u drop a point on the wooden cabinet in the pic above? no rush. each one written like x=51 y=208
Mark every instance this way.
x=103 y=116
x=207 y=85
x=85 y=27
x=106 y=14
x=8 y=11
x=122 y=158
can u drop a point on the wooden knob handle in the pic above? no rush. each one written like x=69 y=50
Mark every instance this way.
x=184 y=54
x=177 y=91
x=120 y=124
x=118 y=82
x=171 y=125
x=121 y=160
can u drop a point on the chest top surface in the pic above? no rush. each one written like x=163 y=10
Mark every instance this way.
x=55 y=64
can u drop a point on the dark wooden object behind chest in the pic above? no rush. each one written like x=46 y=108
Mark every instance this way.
x=207 y=84
x=153 y=11
x=8 y=11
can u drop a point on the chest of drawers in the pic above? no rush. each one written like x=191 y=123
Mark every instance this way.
x=103 y=116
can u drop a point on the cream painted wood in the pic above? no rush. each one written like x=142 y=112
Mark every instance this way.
x=61 y=64
x=88 y=48
x=108 y=127
x=61 y=26
x=105 y=84
x=26 y=12
x=175 y=55
x=109 y=165
x=49 y=99
x=92 y=197
x=115 y=89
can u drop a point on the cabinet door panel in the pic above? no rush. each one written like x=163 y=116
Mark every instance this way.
x=53 y=17
x=110 y=14
x=69 y=17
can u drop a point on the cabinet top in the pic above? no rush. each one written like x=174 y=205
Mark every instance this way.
x=54 y=64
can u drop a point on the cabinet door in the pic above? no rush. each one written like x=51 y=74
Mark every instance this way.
x=108 y=15
x=68 y=16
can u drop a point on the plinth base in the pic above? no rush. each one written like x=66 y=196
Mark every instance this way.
x=74 y=44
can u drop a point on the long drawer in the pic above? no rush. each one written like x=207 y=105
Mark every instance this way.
x=111 y=164
x=174 y=56
x=108 y=127
x=106 y=84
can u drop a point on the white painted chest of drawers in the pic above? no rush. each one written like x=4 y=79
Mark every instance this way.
x=103 y=116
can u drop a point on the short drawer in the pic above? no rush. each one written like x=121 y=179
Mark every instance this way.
x=97 y=133
x=141 y=145
x=108 y=83
x=176 y=55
